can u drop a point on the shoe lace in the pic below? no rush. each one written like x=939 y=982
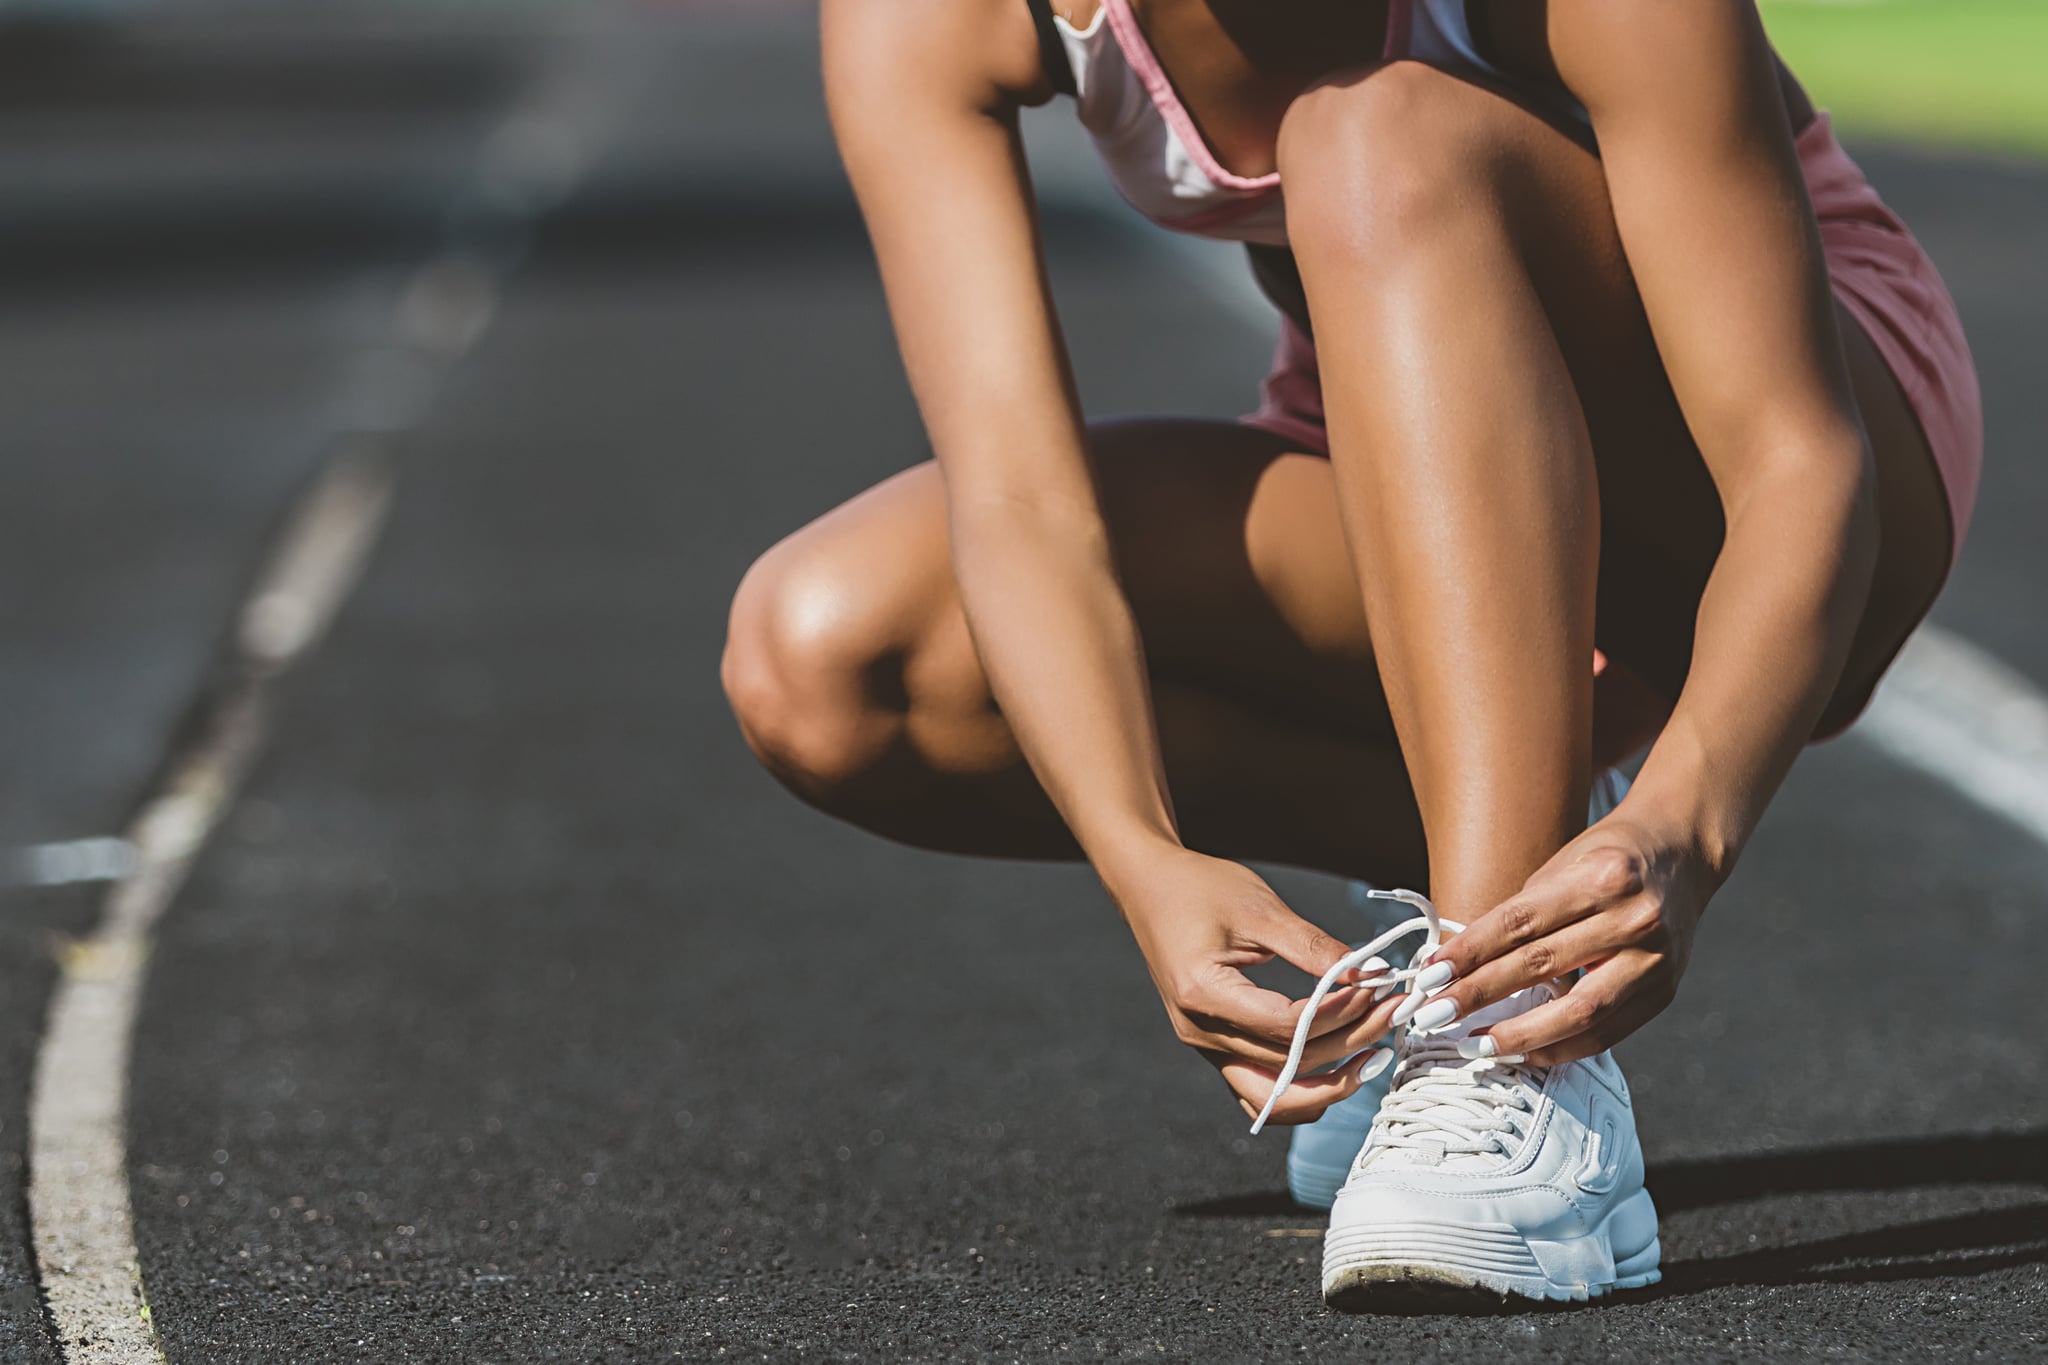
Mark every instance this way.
x=1381 y=976
x=1444 y=1102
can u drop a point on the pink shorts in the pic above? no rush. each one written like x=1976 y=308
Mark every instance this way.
x=1880 y=274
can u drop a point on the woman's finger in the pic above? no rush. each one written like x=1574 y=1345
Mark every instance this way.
x=1578 y=944
x=1308 y=1096
x=1638 y=1010
x=1351 y=1023
x=1587 y=1007
x=1231 y=1004
x=1367 y=1030
x=1275 y=1019
x=1339 y=1010
x=1599 y=877
x=1297 y=942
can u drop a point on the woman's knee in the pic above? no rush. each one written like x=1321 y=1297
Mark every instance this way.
x=1377 y=164
x=799 y=670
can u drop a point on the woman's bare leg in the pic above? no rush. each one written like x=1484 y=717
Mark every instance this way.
x=1500 y=412
x=1510 y=463
x=852 y=673
x=850 y=667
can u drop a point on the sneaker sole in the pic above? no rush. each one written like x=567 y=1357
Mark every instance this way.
x=1446 y=1268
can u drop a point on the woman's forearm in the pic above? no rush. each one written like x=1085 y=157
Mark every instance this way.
x=1713 y=211
x=1773 y=633
x=1062 y=653
x=926 y=119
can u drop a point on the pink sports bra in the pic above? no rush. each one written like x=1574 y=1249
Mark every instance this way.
x=1156 y=157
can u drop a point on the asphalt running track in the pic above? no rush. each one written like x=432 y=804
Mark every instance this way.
x=515 y=1015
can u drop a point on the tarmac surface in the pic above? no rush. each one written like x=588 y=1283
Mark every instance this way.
x=517 y=1015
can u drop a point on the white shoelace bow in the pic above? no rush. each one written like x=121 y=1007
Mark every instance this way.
x=1386 y=979
x=1441 y=1100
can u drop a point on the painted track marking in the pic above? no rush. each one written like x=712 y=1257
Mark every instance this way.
x=83 y=1227
x=80 y=1217
x=1957 y=713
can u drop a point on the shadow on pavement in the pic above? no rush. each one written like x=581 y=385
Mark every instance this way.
x=1967 y=1159
x=1965 y=1244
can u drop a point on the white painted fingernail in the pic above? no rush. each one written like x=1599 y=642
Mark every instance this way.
x=1407 y=1008
x=1478 y=1046
x=1376 y=1061
x=1435 y=976
x=1381 y=992
x=1435 y=1014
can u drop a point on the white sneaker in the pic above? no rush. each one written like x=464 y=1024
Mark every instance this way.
x=1488 y=1178
x=1319 y=1154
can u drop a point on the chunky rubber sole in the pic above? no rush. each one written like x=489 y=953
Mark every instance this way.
x=1464 y=1268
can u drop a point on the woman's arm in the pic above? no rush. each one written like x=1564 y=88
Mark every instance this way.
x=1713 y=213
x=923 y=110
x=923 y=95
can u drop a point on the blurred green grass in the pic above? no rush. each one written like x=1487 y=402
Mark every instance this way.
x=1960 y=73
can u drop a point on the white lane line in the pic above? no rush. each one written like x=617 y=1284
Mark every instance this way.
x=319 y=555
x=81 y=1221
x=83 y=1227
x=1948 y=709
x=1962 y=716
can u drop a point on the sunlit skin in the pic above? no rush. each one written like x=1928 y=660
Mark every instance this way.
x=1573 y=401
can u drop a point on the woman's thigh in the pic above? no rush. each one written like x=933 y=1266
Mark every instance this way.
x=850 y=660
x=854 y=676
x=1226 y=543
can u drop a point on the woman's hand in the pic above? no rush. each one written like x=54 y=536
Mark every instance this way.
x=1200 y=921
x=1622 y=900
